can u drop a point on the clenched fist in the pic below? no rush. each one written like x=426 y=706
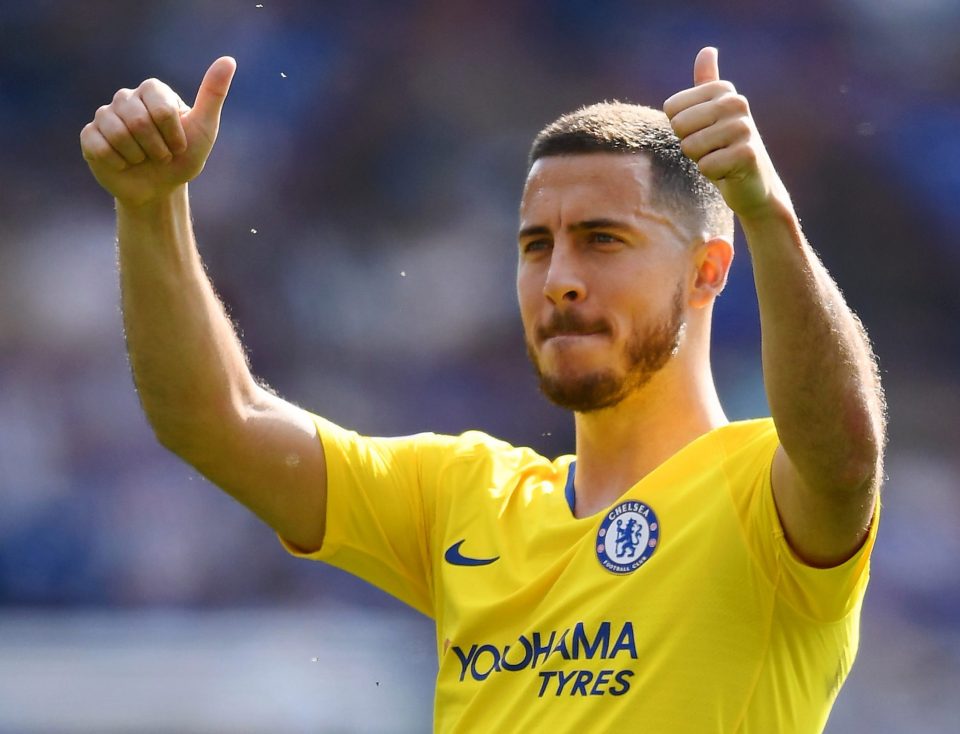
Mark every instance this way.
x=717 y=131
x=147 y=141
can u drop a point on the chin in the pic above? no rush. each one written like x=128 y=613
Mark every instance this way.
x=584 y=393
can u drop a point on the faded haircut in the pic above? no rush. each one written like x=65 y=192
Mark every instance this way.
x=618 y=127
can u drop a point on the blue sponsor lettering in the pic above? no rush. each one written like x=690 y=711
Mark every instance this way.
x=524 y=662
x=541 y=650
x=546 y=675
x=625 y=642
x=601 y=680
x=580 y=639
x=562 y=646
x=580 y=684
x=579 y=681
x=564 y=679
x=494 y=664
x=621 y=678
x=574 y=643
x=464 y=659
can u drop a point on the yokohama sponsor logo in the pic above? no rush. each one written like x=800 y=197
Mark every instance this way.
x=538 y=649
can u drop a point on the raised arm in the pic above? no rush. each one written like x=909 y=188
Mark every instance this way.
x=819 y=370
x=190 y=370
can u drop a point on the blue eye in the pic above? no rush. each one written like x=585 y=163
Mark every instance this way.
x=603 y=238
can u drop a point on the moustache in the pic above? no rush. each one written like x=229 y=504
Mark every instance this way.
x=570 y=323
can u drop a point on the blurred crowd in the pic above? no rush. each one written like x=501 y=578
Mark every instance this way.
x=358 y=218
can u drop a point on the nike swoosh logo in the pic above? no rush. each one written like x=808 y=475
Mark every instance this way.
x=454 y=557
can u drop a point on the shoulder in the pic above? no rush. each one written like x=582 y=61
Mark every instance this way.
x=747 y=442
x=436 y=452
x=473 y=450
x=738 y=435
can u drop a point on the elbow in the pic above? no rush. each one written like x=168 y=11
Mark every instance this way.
x=188 y=434
x=866 y=434
x=858 y=473
x=176 y=435
x=836 y=470
x=187 y=423
x=857 y=465
x=198 y=429
x=839 y=453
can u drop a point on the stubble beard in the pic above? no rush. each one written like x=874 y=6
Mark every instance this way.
x=645 y=355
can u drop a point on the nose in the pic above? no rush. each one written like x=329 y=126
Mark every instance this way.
x=564 y=281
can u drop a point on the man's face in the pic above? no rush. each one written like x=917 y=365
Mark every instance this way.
x=602 y=278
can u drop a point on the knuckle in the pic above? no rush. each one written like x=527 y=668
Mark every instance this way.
x=88 y=137
x=154 y=86
x=711 y=171
x=724 y=102
x=733 y=104
x=139 y=123
x=688 y=148
x=122 y=94
x=87 y=146
x=94 y=149
x=739 y=103
x=741 y=127
x=747 y=153
x=163 y=113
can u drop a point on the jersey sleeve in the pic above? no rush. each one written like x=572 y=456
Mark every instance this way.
x=380 y=499
x=824 y=594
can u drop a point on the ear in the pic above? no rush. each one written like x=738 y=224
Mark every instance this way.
x=712 y=262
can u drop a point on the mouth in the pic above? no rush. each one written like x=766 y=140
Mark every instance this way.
x=564 y=337
x=571 y=332
x=570 y=324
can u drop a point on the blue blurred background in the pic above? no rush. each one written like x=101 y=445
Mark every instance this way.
x=358 y=217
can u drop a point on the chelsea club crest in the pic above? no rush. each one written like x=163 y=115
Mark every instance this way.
x=627 y=537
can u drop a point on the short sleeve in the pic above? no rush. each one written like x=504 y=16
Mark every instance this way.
x=378 y=512
x=824 y=594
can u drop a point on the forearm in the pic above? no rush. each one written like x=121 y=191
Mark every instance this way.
x=187 y=362
x=819 y=370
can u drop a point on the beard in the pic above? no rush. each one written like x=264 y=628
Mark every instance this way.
x=645 y=354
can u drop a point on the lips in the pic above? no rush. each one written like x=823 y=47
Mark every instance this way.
x=570 y=324
x=562 y=334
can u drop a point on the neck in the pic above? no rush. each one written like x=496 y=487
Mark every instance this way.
x=618 y=446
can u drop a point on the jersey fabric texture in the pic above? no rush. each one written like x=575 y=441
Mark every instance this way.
x=679 y=609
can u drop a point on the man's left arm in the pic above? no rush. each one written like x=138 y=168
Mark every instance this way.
x=819 y=370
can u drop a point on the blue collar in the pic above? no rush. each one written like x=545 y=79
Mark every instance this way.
x=569 y=490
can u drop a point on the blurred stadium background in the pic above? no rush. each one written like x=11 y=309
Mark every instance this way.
x=358 y=216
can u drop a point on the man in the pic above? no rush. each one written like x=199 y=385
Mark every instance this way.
x=680 y=573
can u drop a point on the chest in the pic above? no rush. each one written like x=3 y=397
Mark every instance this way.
x=664 y=561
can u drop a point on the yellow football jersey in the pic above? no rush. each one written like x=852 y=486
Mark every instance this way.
x=679 y=609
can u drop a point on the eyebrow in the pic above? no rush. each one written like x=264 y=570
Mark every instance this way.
x=585 y=225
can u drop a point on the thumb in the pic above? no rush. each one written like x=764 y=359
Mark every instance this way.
x=212 y=93
x=706 y=68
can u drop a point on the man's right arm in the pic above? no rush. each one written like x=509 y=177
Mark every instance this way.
x=192 y=375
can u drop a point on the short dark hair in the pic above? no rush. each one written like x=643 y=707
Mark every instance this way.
x=618 y=127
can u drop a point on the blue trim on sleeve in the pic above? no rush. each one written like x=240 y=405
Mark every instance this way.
x=569 y=490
